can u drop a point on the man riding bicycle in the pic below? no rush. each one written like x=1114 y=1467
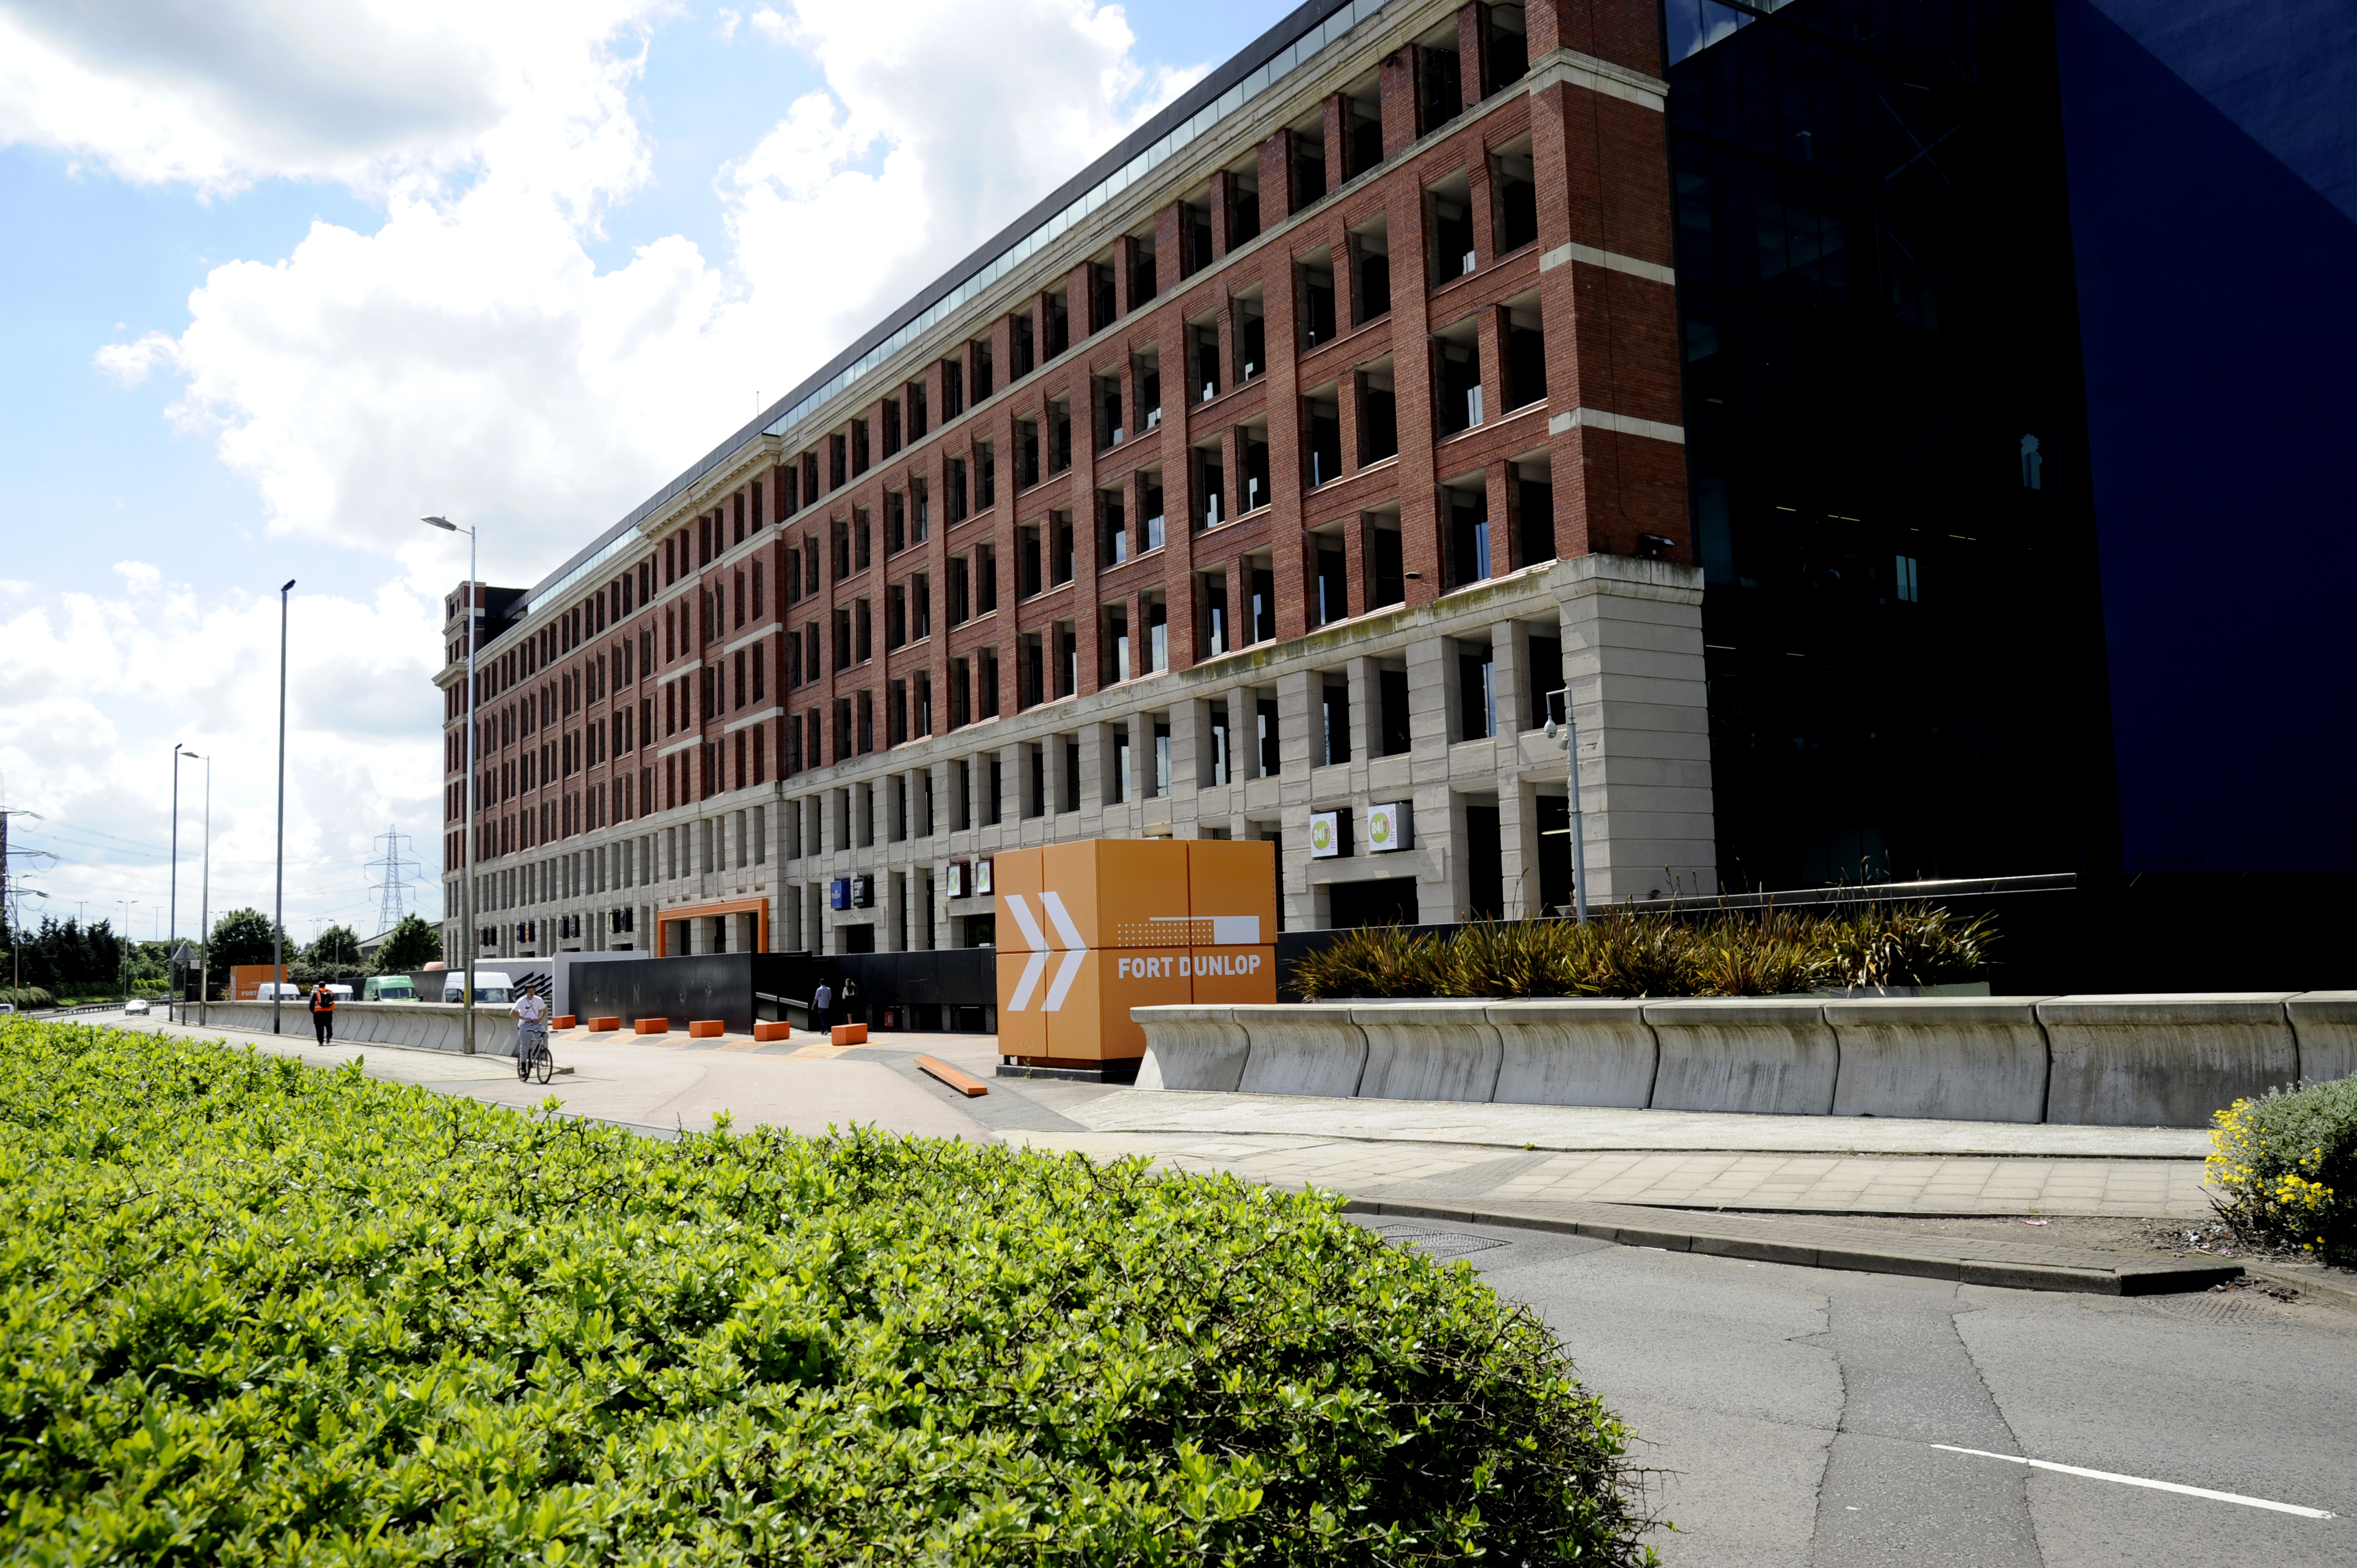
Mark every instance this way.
x=532 y=1031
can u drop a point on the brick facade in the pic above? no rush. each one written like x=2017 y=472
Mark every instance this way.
x=654 y=735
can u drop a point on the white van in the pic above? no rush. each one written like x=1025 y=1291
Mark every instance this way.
x=387 y=988
x=278 y=991
x=493 y=988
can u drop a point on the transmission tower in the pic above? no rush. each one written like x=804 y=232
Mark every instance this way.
x=394 y=870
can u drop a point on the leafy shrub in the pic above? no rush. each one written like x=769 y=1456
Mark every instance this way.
x=254 y=1312
x=1768 y=953
x=2286 y=1168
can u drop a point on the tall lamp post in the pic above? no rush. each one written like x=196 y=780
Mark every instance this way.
x=278 y=895
x=171 y=995
x=1570 y=730
x=467 y=872
x=205 y=899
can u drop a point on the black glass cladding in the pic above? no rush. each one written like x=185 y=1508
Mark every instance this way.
x=1904 y=637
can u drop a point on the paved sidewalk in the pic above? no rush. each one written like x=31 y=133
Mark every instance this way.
x=1453 y=1154
x=1467 y=1174
x=1597 y=1127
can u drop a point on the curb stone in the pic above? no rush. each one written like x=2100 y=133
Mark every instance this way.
x=2015 y=1265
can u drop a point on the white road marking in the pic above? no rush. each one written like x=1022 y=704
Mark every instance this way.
x=2141 y=1481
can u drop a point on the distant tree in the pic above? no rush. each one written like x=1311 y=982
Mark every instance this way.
x=336 y=950
x=413 y=944
x=243 y=935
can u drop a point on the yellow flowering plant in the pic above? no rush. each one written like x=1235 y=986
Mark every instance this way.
x=2285 y=1168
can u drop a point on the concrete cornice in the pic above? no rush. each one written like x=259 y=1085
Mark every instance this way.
x=1570 y=67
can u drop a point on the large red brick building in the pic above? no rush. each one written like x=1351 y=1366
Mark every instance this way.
x=1264 y=482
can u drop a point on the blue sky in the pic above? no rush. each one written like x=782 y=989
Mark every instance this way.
x=515 y=267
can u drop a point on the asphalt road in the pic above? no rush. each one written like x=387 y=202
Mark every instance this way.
x=1791 y=1415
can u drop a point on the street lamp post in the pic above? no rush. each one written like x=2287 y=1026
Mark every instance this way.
x=122 y=948
x=205 y=902
x=170 y=995
x=278 y=895
x=467 y=872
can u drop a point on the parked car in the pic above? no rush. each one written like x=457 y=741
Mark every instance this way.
x=492 y=987
x=387 y=988
x=135 y=1005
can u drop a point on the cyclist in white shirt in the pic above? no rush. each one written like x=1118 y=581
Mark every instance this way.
x=532 y=1026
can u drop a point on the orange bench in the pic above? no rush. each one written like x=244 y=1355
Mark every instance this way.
x=603 y=1025
x=773 y=1031
x=563 y=1021
x=934 y=1067
x=850 y=1034
x=706 y=1029
x=654 y=1026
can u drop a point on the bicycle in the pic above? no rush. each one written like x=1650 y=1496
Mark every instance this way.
x=533 y=1064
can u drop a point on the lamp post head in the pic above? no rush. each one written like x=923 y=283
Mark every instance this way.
x=441 y=522
x=284 y=586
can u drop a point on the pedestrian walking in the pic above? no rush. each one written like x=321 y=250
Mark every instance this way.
x=821 y=1000
x=323 y=1013
x=851 y=1009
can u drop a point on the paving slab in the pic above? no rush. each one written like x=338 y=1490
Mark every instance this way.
x=1604 y=1127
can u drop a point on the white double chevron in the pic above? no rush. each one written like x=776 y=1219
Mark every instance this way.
x=1037 y=940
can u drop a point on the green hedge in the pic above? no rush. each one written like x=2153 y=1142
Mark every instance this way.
x=256 y=1312
x=1772 y=953
x=2286 y=1168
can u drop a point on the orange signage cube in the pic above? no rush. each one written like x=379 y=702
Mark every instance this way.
x=1090 y=930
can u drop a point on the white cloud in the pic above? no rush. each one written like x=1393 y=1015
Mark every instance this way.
x=469 y=357
x=96 y=688
x=128 y=364
x=366 y=92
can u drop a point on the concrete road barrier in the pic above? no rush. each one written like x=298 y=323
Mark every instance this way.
x=2326 y=1025
x=1948 y=1059
x=2162 y=1060
x=1428 y=1050
x=1773 y=1055
x=1305 y=1049
x=1196 y=1049
x=1575 y=1051
x=420 y=1025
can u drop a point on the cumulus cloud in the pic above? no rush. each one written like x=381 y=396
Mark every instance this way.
x=96 y=688
x=218 y=95
x=469 y=356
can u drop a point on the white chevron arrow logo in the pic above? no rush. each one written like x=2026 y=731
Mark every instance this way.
x=1037 y=940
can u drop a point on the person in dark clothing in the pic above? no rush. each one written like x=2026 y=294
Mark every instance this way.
x=821 y=1000
x=323 y=1013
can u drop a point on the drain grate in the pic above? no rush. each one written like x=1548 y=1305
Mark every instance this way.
x=1444 y=1246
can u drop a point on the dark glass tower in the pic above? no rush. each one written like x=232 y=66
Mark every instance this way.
x=1886 y=434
